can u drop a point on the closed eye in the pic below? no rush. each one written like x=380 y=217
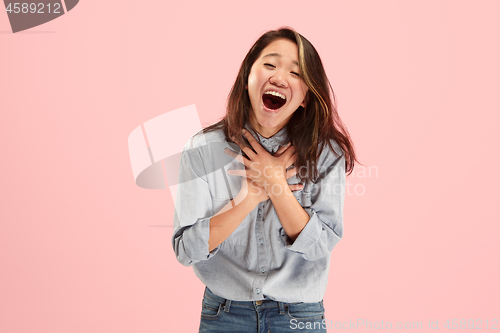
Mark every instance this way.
x=296 y=74
x=269 y=65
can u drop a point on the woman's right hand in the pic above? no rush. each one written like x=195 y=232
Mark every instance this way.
x=252 y=191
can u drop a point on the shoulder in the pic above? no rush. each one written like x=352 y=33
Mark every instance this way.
x=200 y=139
x=331 y=151
x=202 y=150
x=331 y=157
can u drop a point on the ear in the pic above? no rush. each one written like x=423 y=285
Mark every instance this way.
x=305 y=101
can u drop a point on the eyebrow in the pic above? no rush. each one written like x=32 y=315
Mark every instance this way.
x=279 y=56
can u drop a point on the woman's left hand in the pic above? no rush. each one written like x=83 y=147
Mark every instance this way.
x=263 y=168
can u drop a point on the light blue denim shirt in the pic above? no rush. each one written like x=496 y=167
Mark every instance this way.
x=258 y=260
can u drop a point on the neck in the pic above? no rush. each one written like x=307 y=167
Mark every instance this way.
x=264 y=131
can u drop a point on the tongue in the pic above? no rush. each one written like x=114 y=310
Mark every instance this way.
x=273 y=102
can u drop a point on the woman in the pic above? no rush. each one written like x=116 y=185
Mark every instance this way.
x=264 y=254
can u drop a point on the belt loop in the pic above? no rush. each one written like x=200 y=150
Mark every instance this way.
x=227 y=305
x=281 y=305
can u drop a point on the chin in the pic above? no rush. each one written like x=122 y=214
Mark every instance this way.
x=269 y=125
x=272 y=120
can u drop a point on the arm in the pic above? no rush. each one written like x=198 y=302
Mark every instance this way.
x=197 y=230
x=291 y=214
x=193 y=207
x=192 y=210
x=323 y=203
x=229 y=218
x=313 y=228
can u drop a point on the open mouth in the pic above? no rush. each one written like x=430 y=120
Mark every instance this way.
x=273 y=100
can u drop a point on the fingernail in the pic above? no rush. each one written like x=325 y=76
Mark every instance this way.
x=244 y=130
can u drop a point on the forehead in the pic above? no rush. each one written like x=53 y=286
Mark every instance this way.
x=282 y=49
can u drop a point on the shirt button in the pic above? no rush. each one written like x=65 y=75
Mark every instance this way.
x=257 y=291
x=261 y=241
x=263 y=270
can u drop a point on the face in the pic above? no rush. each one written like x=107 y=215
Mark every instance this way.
x=275 y=87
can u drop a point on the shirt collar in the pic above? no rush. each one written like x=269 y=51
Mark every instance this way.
x=270 y=144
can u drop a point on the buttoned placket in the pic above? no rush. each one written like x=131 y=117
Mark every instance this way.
x=271 y=145
x=262 y=255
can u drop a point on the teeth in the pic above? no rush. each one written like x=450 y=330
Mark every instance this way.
x=274 y=93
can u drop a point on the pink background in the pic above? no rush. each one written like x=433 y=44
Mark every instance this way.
x=84 y=249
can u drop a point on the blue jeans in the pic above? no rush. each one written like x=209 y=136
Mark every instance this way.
x=219 y=315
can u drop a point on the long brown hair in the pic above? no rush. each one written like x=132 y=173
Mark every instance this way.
x=309 y=128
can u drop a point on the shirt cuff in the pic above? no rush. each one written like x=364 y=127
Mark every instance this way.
x=196 y=240
x=307 y=237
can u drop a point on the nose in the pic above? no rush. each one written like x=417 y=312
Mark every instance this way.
x=278 y=80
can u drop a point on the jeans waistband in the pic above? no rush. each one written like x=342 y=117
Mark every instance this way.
x=265 y=303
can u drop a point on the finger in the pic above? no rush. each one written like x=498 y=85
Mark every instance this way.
x=288 y=152
x=296 y=187
x=291 y=161
x=281 y=150
x=242 y=173
x=244 y=148
x=290 y=173
x=235 y=155
x=255 y=145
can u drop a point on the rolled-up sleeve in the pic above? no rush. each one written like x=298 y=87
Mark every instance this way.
x=193 y=210
x=325 y=226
